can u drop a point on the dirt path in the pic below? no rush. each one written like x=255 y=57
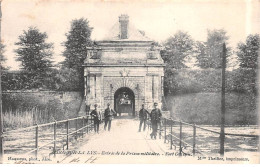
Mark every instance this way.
x=126 y=143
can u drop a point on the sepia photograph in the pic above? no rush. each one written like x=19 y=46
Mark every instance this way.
x=129 y=82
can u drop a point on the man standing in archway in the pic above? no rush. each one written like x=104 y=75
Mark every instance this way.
x=109 y=112
x=155 y=120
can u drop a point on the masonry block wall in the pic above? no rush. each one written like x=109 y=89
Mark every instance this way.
x=102 y=85
x=125 y=59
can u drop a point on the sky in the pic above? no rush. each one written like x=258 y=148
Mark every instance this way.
x=159 y=19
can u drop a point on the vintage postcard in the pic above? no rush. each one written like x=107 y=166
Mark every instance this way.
x=129 y=82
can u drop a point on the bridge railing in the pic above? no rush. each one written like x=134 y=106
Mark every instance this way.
x=81 y=126
x=166 y=126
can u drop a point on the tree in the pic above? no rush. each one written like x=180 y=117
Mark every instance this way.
x=78 y=39
x=2 y=68
x=248 y=52
x=35 y=56
x=208 y=54
x=177 y=49
x=2 y=58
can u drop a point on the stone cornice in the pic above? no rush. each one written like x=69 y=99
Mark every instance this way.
x=123 y=65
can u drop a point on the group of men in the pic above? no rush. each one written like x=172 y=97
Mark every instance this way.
x=155 y=117
x=97 y=116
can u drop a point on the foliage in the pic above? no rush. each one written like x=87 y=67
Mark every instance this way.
x=63 y=79
x=248 y=52
x=78 y=39
x=34 y=54
x=33 y=109
x=68 y=80
x=204 y=108
x=3 y=69
x=176 y=49
x=25 y=108
x=208 y=54
x=184 y=81
x=2 y=57
x=244 y=80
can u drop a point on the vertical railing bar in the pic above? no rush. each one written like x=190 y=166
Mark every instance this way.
x=36 y=140
x=171 y=133
x=180 y=149
x=165 y=130
x=67 y=140
x=194 y=139
x=87 y=124
x=54 y=137
x=83 y=119
x=160 y=132
x=76 y=122
x=92 y=123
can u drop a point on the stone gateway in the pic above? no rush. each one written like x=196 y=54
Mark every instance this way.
x=125 y=69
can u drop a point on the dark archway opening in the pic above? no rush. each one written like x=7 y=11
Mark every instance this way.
x=124 y=101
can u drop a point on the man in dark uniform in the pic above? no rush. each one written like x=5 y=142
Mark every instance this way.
x=143 y=117
x=97 y=118
x=155 y=119
x=109 y=112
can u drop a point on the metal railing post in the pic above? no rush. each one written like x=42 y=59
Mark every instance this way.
x=171 y=133
x=54 y=139
x=36 y=140
x=194 y=140
x=160 y=132
x=83 y=124
x=180 y=149
x=67 y=131
x=87 y=124
x=165 y=130
x=92 y=123
x=76 y=128
x=1 y=137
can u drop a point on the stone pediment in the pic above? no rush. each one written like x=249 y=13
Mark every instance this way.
x=124 y=45
x=134 y=34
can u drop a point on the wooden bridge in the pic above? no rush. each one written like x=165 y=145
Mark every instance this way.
x=74 y=141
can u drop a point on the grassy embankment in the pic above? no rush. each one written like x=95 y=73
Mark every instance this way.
x=26 y=109
x=205 y=108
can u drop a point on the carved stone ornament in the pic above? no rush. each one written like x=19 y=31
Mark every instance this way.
x=124 y=72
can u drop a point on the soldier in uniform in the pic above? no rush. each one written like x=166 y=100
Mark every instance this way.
x=155 y=120
x=109 y=112
x=143 y=117
x=97 y=118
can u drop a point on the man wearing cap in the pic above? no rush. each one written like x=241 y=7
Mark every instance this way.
x=97 y=118
x=143 y=117
x=155 y=120
x=109 y=112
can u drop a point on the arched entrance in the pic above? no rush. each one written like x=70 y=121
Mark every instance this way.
x=124 y=101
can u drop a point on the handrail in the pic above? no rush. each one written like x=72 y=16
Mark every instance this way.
x=185 y=143
x=243 y=135
x=80 y=129
x=38 y=148
x=169 y=123
x=212 y=131
x=56 y=140
x=42 y=125
x=89 y=124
